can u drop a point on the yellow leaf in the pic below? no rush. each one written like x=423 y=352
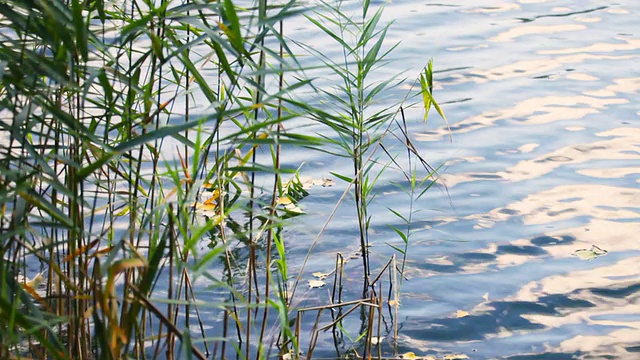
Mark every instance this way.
x=316 y=283
x=207 y=210
x=408 y=355
x=590 y=254
x=208 y=186
x=37 y=280
x=461 y=314
x=212 y=199
x=455 y=357
x=123 y=212
x=394 y=302
x=125 y=264
x=293 y=208
x=120 y=266
x=285 y=200
x=101 y=251
x=82 y=250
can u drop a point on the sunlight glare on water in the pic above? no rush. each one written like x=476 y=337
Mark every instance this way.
x=542 y=102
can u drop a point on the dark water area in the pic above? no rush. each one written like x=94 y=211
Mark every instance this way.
x=542 y=102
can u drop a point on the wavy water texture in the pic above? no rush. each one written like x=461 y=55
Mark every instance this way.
x=544 y=162
x=542 y=102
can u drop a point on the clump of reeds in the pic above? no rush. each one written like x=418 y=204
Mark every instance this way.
x=136 y=139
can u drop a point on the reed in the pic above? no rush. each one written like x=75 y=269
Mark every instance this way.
x=140 y=158
x=368 y=135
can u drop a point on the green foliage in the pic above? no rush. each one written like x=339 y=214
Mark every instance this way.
x=358 y=128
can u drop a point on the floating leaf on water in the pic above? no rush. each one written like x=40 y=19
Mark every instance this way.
x=585 y=254
x=408 y=355
x=293 y=208
x=208 y=210
x=307 y=182
x=210 y=201
x=461 y=314
x=598 y=250
x=455 y=357
x=394 y=302
x=589 y=254
x=213 y=198
x=289 y=355
x=33 y=283
x=486 y=297
x=316 y=284
x=285 y=200
x=321 y=275
x=328 y=182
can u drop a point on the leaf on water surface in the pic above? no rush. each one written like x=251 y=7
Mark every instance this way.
x=285 y=200
x=461 y=314
x=327 y=182
x=208 y=210
x=35 y=282
x=316 y=284
x=308 y=182
x=212 y=199
x=208 y=186
x=321 y=275
x=394 y=302
x=486 y=297
x=455 y=357
x=589 y=254
x=585 y=254
x=294 y=208
x=290 y=355
x=412 y=355
x=408 y=355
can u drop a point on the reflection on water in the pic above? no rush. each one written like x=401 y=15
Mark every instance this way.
x=544 y=162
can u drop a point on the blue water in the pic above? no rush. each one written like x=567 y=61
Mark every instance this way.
x=542 y=102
